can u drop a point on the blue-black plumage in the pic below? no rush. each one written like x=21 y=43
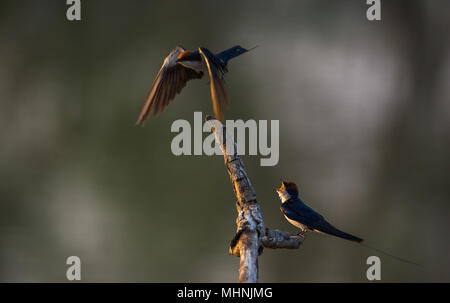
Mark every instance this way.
x=302 y=216
x=231 y=53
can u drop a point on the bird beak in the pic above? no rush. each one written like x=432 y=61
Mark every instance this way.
x=281 y=187
x=277 y=188
x=253 y=48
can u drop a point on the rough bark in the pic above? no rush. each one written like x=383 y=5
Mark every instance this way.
x=281 y=239
x=251 y=235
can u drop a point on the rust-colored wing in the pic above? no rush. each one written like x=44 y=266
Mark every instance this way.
x=216 y=71
x=171 y=79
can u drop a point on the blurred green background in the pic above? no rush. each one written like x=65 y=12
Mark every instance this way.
x=364 y=131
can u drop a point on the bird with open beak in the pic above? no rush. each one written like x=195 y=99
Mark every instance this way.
x=302 y=216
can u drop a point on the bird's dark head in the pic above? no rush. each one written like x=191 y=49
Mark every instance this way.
x=239 y=49
x=287 y=190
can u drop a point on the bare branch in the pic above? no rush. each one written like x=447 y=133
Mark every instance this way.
x=251 y=235
x=281 y=239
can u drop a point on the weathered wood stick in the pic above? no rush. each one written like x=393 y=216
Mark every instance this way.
x=251 y=235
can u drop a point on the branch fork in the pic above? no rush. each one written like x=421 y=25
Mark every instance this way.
x=251 y=234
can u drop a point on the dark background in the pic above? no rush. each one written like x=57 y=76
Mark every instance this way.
x=364 y=131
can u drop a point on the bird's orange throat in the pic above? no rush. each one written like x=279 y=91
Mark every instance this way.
x=283 y=194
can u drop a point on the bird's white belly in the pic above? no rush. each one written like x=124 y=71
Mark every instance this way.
x=296 y=224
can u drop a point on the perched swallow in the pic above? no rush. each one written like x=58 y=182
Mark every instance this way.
x=303 y=217
x=182 y=65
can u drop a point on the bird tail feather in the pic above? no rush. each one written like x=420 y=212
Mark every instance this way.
x=331 y=230
x=390 y=255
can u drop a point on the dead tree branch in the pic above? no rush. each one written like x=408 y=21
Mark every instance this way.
x=251 y=235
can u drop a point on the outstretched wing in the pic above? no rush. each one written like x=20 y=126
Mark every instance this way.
x=171 y=79
x=216 y=71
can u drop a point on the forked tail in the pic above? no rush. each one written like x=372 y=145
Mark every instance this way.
x=390 y=255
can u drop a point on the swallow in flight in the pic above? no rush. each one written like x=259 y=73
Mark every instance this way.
x=182 y=65
x=302 y=216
